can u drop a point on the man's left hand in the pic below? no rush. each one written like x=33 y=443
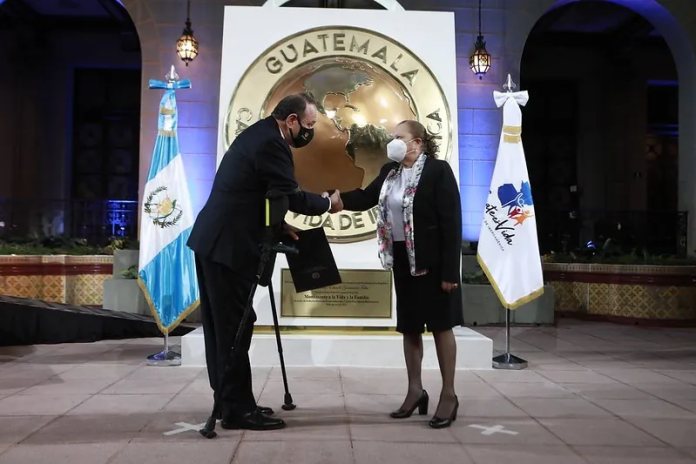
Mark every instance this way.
x=287 y=230
x=449 y=286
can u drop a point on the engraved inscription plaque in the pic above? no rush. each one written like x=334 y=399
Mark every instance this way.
x=364 y=294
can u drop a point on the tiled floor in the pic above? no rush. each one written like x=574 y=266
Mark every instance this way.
x=593 y=394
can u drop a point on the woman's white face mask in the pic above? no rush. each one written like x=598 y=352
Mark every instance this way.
x=397 y=150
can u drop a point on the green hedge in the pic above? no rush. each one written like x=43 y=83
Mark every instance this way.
x=61 y=245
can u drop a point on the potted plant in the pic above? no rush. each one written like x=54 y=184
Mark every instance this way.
x=126 y=254
x=122 y=292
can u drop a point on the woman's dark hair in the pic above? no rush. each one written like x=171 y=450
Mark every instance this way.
x=417 y=130
x=293 y=104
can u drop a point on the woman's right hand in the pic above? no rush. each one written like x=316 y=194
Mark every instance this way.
x=449 y=286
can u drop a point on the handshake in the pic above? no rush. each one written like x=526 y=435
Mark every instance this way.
x=336 y=202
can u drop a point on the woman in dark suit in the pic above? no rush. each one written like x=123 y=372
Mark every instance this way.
x=419 y=238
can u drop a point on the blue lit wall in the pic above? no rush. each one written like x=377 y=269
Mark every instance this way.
x=198 y=132
x=479 y=120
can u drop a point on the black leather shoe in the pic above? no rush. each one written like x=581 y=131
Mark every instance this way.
x=439 y=423
x=265 y=410
x=421 y=404
x=262 y=409
x=253 y=420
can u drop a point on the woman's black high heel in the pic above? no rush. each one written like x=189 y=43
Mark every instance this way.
x=438 y=423
x=421 y=404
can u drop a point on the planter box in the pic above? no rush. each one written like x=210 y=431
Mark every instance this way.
x=482 y=307
x=121 y=294
x=470 y=264
x=632 y=293
x=125 y=295
x=76 y=280
x=123 y=259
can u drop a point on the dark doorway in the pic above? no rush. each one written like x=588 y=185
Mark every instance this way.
x=106 y=121
x=601 y=129
x=71 y=117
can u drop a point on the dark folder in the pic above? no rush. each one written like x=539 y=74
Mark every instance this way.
x=314 y=266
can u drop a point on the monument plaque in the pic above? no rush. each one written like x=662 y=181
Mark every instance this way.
x=368 y=72
x=365 y=293
x=365 y=84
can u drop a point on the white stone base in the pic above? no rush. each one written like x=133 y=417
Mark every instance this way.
x=474 y=351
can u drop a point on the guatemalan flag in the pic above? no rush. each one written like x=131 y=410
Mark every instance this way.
x=508 y=247
x=167 y=270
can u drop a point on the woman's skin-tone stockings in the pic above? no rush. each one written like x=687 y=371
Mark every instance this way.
x=446 y=347
x=413 y=353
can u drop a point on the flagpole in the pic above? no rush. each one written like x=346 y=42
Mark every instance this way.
x=507 y=360
x=166 y=357
x=507 y=330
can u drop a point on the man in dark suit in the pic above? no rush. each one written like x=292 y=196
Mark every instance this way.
x=226 y=241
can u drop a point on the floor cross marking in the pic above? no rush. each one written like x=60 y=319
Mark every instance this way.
x=185 y=427
x=493 y=429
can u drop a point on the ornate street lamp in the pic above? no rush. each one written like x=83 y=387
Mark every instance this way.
x=187 y=45
x=480 y=60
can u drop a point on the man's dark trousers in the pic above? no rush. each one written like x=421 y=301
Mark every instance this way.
x=223 y=298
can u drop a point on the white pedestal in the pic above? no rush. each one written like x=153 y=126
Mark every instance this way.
x=474 y=351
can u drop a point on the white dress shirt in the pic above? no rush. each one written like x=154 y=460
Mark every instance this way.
x=395 y=202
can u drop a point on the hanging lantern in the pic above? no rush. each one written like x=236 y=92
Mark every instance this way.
x=480 y=60
x=187 y=45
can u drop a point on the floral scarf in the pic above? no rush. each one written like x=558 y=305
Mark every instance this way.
x=385 y=241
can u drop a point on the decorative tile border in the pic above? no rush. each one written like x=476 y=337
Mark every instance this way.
x=620 y=269
x=77 y=280
x=650 y=293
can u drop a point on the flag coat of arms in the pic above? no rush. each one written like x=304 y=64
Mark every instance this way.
x=167 y=269
x=508 y=247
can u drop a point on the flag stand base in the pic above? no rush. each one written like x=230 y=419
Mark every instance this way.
x=509 y=362
x=166 y=357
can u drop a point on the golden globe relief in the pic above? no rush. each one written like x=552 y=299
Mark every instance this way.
x=365 y=84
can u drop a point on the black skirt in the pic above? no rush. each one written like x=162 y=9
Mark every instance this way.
x=420 y=300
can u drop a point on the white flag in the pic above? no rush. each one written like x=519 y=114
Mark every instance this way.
x=508 y=247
